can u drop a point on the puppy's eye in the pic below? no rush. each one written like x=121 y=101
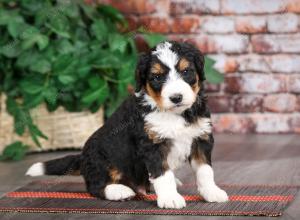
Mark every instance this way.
x=186 y=71
x=157 y=77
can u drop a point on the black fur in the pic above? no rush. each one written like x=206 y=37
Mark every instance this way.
x=63 y=166
x=123 y=144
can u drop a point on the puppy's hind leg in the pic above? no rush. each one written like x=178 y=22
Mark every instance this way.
x=105 y=183
x=117 y=192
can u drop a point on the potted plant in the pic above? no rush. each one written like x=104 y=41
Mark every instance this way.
x=64 y=54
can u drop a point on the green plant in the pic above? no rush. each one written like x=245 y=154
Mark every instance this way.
x=63 y=53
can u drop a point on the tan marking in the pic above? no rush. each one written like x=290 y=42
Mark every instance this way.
x=196 y=86
x=165 y=145
x=115 y=175
x=198 y=156
x=74 y=173
x=156 y=96
x=183 y=64
x=205 y=136
x=156 y=68
x=151 y=134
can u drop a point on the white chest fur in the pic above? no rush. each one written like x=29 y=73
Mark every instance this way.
x=175 y=128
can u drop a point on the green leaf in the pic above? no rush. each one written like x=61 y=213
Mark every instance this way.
x=42 y=41
x=99 y=29
x=66 y=79
x=111 y=13
x=27 y=58
x=59 y=24
x=68 y=8
x=35 y=133
x=153 y=39
x=99 y=94
x=62 y=62
x=88 y=10
x=11 y=50
x=64 y=47
x=16 y=26
x=31 y=87
x=20 y=117
x=111 y=60
x=211 y=74
x=83 y=71
x=4 y=17
x=32 y=101
x=51 y=95
x=117 y=42
x=11 y=106
x=15 y=151
x=95 y=82
x=41 y=66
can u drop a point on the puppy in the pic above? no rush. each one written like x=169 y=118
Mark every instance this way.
x=164 y=125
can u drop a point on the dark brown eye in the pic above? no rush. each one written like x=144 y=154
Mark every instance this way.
x=186 y=71
x=157 y=77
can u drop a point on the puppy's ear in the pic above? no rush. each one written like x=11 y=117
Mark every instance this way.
x=141 y=71
x=199 y=63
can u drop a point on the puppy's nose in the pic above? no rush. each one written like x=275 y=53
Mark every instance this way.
x=176 y=98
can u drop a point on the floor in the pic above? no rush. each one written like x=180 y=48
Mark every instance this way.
x=237 y=159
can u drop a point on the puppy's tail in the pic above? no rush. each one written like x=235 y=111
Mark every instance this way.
x=69 y=165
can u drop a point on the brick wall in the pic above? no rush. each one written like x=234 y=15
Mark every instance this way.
x=256 y=44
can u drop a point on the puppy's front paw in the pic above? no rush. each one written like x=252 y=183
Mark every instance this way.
x=213 y=194
x=171 y=201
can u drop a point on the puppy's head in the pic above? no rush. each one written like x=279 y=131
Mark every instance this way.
x=170 y=76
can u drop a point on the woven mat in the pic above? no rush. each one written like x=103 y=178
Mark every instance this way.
x=71 y=197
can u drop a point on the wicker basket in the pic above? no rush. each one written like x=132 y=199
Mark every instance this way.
x=63 y=129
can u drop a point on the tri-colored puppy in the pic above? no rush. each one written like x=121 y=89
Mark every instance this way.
x=164 y=125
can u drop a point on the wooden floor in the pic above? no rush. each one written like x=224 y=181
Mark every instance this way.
x=237 y=159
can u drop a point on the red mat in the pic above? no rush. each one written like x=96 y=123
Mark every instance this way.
x=71 y=197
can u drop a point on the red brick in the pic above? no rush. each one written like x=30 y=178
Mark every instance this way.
x=225 y=64
x=256 y=83
x=280 y=103
x=231 y=44
x=132 y=22
x=293 y=6
x=294 y=123
x=251 y=24
x=253 y=63
x=298 y=103
x=233 y=84
x=294 y=83
x=251 y=6
x=282 y=23
x=132 y=6
x=271 y=123
x=194 y=6
x=283 y=63
x=248 y=103
x=141 y=44
x=214 y=24
x=155 y=24
x=204 y=43
x=209 y=87
x=276 y=43
x=185 y=24
x=219 y=103
x=232 y=123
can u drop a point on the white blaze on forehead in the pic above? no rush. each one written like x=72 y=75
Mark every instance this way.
x=166 y=55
